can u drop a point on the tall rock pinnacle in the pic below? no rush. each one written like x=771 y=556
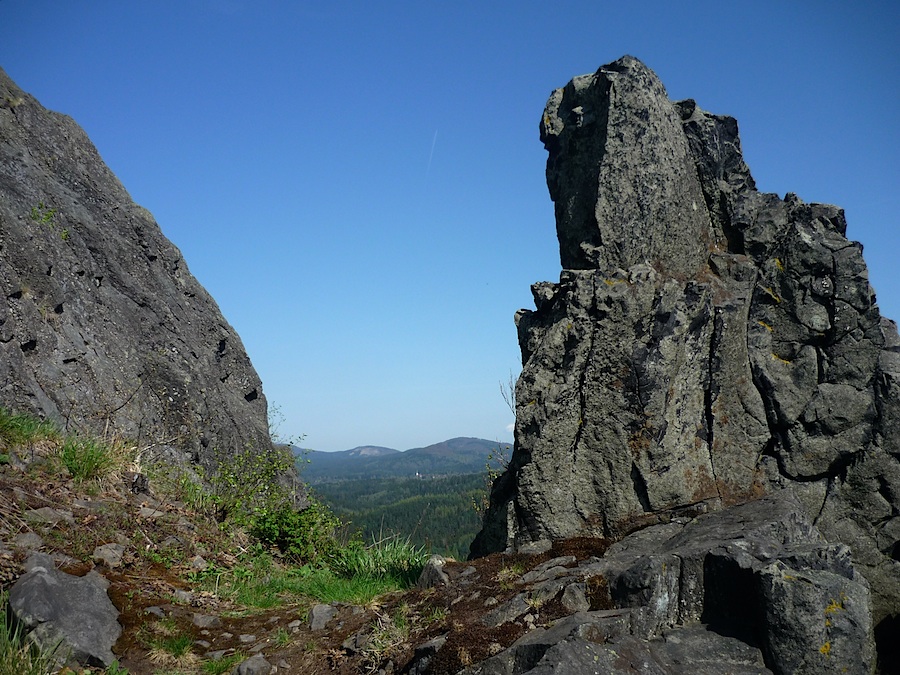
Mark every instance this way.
x=706 y=344
x=621 y=174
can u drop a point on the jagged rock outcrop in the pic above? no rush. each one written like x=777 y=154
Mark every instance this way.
x=707 y=344
x=102 y=326
x=752 y=588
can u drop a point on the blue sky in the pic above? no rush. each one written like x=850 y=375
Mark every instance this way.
x=360 y=185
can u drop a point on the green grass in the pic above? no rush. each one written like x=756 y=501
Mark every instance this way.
x=386 y=558
x=86 y=458
x=260 y=583
x=387 y=634
x=325 y=586
x=224 y=665
x=176 y=645
x=16 y=430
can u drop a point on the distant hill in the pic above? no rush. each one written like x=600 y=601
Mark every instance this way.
x=448 y=458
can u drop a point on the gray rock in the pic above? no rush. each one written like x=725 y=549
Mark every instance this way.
x=549 y=569
x=206 y=621
x=699 y=651
x=584 y=628
x=109 y=555
x=320 y=615
x=182 y=597
x=706 y=345
x=255 y=665
x=74 y=613
x=817 y=621
x=620 y=173
x=102 y=324
x=424 y=653
x=198 y=563
x=48 y=516
x=508 y=611
x=28 y=540
x=433 y=573
x=575 y=598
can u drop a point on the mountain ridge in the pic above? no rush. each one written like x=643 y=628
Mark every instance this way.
x=453 y=456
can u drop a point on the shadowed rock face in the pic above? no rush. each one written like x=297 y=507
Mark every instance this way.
x=102 y=326
x=706 y=344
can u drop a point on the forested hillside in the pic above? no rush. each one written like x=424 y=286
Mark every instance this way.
x=442 y=514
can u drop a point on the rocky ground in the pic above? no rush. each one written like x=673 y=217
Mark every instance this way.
x=700 y=593
x=153 y=550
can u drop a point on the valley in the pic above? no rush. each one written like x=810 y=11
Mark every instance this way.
x=433 y=496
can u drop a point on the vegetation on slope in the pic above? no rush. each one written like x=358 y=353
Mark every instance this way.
x=236 y=536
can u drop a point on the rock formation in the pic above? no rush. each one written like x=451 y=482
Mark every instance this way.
x=102 y=326
x=706 y=345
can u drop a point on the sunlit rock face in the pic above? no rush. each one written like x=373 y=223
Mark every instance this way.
x=706 y=343
x=102 y=326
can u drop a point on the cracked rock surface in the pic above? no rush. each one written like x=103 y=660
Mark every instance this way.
x=706 y=344
x=102 y=326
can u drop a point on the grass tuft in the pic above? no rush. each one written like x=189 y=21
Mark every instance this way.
x=85 y=458
x=391 y=557
x=16 y=430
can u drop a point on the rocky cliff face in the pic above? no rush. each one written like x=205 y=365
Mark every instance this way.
x=707 y=344
x=102 y=325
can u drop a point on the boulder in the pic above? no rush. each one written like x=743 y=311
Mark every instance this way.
x=752 y=588
x=255 y=665
x=71 y=616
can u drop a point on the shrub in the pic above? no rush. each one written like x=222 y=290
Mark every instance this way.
x=306 y=534
x=248 y=484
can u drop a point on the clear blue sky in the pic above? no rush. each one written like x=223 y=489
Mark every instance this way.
x=360 y=185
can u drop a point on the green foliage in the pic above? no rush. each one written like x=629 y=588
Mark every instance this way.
x=17 y=430
x=86 y=458
x=44 y=215
x=387 y=558
x=246 y=484
x=248 y=489
x=308 y=535
x=17 y=656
